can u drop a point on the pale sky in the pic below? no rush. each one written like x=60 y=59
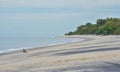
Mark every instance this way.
x=52 y=17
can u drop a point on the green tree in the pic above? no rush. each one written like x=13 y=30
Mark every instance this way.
x=109 y=26
x=101 y=21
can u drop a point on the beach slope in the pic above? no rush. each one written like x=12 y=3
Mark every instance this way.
x=94 y=54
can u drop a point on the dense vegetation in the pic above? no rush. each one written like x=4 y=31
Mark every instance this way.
x=109 y=26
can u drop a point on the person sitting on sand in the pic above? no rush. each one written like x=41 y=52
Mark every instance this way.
x=24 y=51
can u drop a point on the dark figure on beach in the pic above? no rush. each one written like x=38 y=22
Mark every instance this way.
x=24 y=51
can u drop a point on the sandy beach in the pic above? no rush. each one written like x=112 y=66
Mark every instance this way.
x=94 y=54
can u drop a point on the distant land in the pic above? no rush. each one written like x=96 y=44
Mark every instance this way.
x=108 y=26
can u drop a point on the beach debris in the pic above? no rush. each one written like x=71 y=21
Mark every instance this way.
x=24 y=51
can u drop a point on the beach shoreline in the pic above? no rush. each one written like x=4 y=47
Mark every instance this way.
x=94 y=49
x=40 y=47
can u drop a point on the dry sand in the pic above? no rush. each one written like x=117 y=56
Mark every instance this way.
x=95 y=54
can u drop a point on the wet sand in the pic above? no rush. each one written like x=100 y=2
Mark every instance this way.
x=95 y=54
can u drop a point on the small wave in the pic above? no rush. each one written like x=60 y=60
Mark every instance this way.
x=8 y=50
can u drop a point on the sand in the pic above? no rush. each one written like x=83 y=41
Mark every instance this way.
x=94 y=54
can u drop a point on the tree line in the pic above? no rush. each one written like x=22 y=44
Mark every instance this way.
x=108 y=26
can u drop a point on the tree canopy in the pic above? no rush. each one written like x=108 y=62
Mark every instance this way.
x=108 y=26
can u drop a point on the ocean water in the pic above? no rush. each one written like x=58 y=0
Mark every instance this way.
x=8 y=44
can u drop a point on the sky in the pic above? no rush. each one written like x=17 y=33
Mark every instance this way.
x=51 y=17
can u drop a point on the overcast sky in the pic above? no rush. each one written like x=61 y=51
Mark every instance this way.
x=52 y=17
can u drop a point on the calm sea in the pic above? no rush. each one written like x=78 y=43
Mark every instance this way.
x=15 y=43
